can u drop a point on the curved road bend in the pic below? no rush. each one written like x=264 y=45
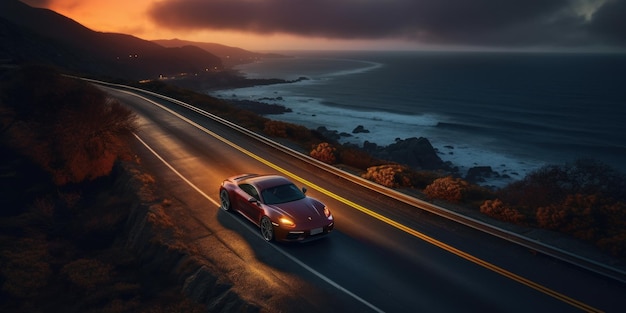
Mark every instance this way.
x=411 y=261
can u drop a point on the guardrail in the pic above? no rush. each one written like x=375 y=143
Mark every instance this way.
x=552 y=251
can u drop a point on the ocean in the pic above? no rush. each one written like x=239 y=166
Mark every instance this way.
x=515 y=112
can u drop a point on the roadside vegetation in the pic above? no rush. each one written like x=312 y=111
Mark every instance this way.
x=585 y=200
x=61 y=140
x=61 y=216
x=66 y=126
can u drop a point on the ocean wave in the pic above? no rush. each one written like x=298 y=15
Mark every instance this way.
x=370 y=66
x=475 y=113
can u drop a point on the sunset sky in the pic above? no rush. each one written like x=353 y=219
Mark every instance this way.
x=263 y=25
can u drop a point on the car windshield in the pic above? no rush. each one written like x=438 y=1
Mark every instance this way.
x=282 y=194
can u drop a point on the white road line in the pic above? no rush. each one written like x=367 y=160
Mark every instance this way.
x=282 y=251
x=380 y=217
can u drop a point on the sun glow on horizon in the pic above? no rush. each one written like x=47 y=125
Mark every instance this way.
x=122 y=16
x=381 y=26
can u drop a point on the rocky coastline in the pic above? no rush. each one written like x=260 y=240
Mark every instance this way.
x=414 y=152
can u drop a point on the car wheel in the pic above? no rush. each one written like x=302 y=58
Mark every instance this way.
x=225 y=200
x=267 y=229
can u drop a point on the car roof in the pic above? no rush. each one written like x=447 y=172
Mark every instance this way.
x=263 y=182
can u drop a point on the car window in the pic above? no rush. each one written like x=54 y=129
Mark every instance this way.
x=249 y=189
x=282 y=194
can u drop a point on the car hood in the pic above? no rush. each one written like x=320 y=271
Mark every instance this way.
x=303 y=211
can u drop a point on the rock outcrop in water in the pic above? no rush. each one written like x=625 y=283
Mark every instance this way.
x=417 y=153
x=360 y=129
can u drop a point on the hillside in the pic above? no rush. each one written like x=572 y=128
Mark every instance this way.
x=230 y=55
x=40 y=35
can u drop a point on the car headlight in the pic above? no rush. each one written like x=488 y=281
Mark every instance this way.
x=327 y=212
x=287 y=222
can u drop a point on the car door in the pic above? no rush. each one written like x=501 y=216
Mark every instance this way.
x=250 y=209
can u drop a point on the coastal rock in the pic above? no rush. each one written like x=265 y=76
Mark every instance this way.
x=260 y=108
x=478 y=174
x=327 y=133
x=331 y=135
x=360 y=129
x=414 y=152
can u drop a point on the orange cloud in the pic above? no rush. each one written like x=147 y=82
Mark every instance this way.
x=357 y=24
x=108 y=16
x=131 y=17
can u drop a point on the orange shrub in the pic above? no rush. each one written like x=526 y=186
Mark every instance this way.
x=286 y=130
x=25 y=268
x=447 y=188
x=356 y=158
x=69 y=127
x=389 y=175
x=88 y=273
x=275 y=129
x=575 y=216
x=615 y=245
x=324 y=152
x=497 y=209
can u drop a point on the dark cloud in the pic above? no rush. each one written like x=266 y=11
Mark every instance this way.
x=480 y=22
x=610 y=22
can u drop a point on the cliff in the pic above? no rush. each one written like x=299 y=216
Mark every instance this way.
x=111 y=245
x=161 y=249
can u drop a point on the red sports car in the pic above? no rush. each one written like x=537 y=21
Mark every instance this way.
x=280 y=209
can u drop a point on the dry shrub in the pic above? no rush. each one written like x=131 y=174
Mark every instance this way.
x=159 y=218
x=168 y=231
x=44 y=206
x=249 y=120
x=615 y=245
x=389 y=175
x=287 y=130
x=324 y=152
x=70 y=199
x=299 y=133
x=356 y=158
x=447 y=188
x=497 y=209
x=88 y=273
x=25 y=269
x=147 y=189
x=184 y=305
x=275 y=129
x=576 y=216
x=123 y=306
x=69 y=127
x=92 y=138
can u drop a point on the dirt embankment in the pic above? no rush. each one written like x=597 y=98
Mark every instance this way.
x=108 y=247
x=158 y=244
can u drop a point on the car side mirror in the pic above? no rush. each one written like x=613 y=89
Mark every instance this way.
x=303 y=189
x=253 y=200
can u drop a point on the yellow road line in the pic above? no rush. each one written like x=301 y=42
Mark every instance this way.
x=397 y=225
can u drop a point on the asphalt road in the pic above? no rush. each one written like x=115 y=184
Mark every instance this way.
x=383 y=256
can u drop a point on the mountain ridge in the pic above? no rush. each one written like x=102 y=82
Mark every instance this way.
x=31 y=34
x=230 y=55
